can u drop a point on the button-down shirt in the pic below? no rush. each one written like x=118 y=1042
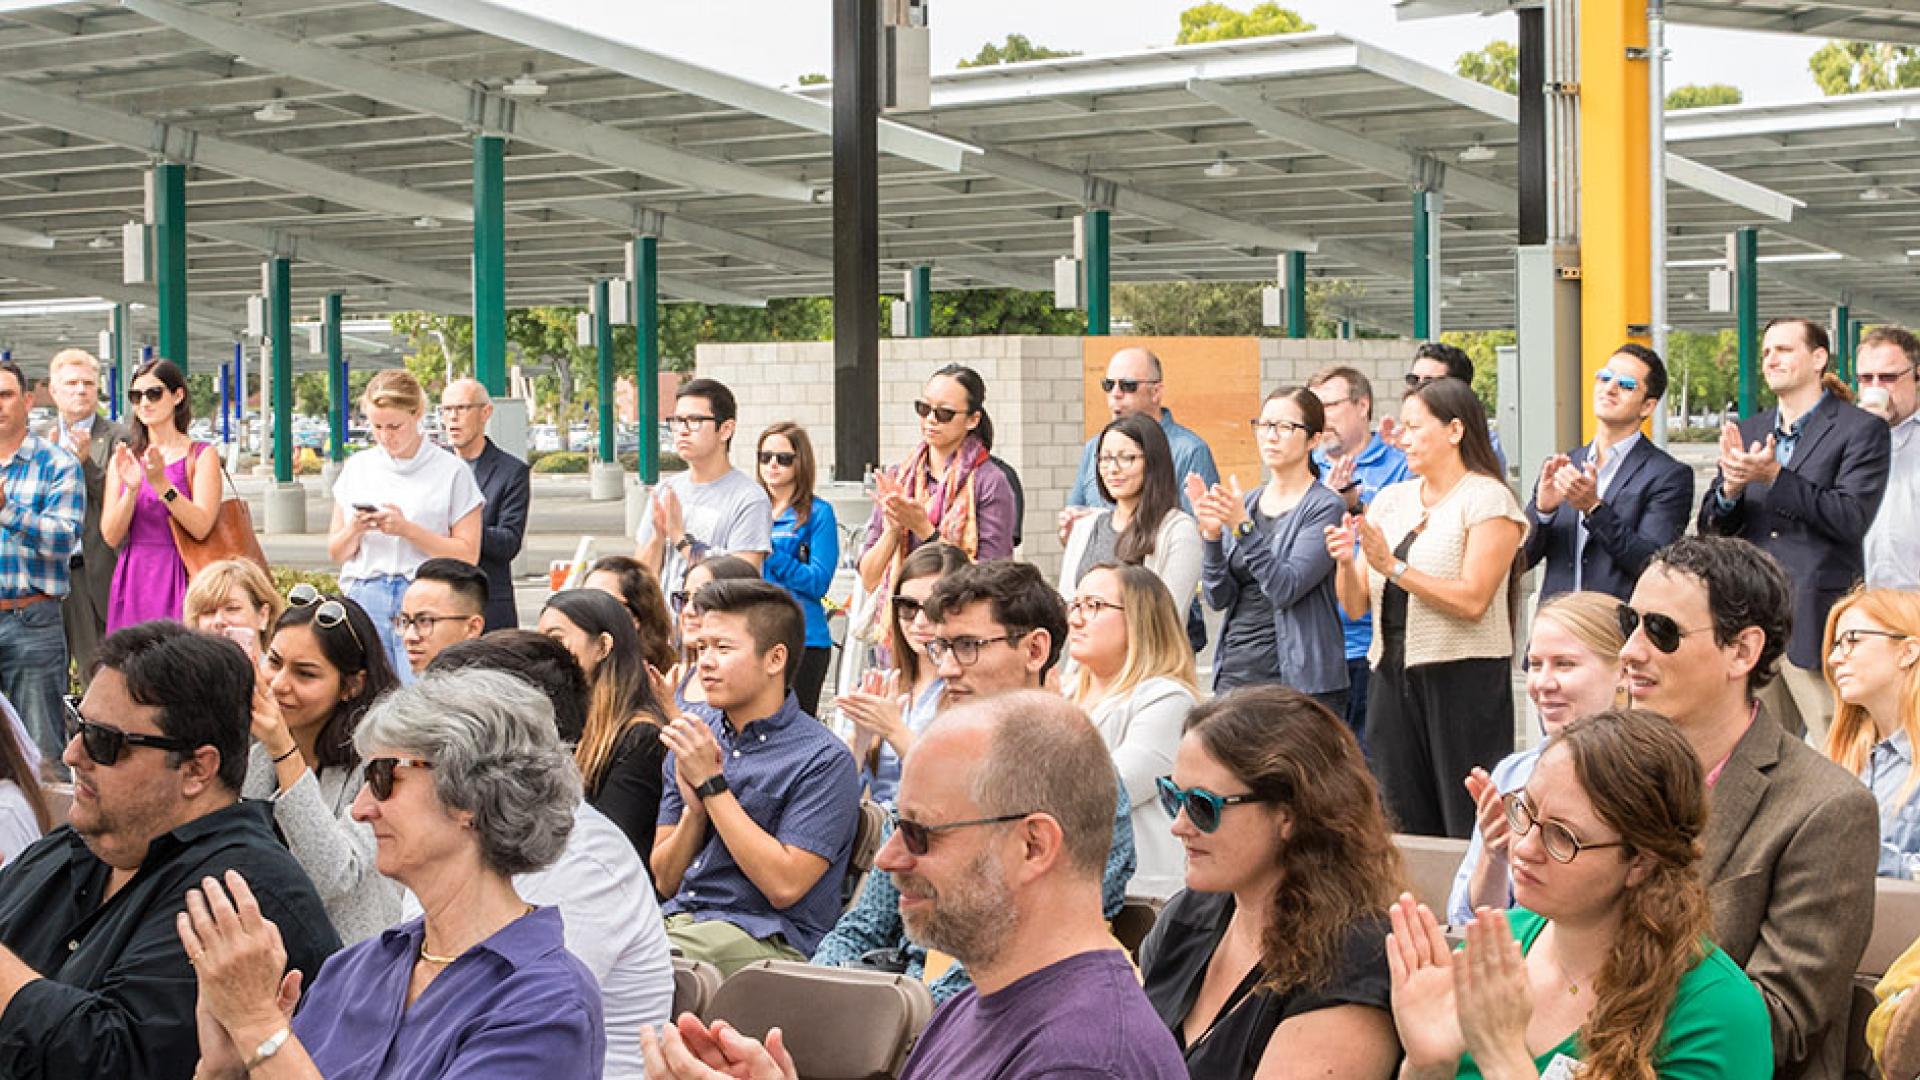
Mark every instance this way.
x=118 y=995
x=1609 y=461
x=798 y=783
x=516 y=1005
x=1378 y=466
x=1893 y=555
x=1889 y=764
x=63 y=431
x=1190 y=455
x=46 y=501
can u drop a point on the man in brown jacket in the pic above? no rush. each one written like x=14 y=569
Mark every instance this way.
x=1792 y=839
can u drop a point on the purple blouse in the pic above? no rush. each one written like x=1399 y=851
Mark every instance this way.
x=516 y=1005
x=992 y=509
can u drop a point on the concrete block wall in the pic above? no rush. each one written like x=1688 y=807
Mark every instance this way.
x=1291 y=361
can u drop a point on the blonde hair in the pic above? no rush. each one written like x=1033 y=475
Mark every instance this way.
x=1592 y=618
x=395 y=388
x=216 y=581
x=73 y=358
x=1157 y=645
x=1850 y=740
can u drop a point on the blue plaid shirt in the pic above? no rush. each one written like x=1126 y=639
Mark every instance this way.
x=40 y=519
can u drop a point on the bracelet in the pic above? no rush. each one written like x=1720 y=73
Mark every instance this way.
x=286 y=755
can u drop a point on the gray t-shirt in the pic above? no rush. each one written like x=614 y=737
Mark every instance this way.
x=1102 y=543
x=725 y=516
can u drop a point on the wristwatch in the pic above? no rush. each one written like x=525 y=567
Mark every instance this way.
x=1244 y=529
x=686 y=541
x=1399 y=568
x=268 y=1047
x=714 y=786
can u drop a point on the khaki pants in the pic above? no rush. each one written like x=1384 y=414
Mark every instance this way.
x=725 y=945
x=1801 y=701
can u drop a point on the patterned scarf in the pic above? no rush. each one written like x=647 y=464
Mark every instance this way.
x=952 y=506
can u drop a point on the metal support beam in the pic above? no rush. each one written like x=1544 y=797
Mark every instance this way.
x=603 y=365
x=29 y=268
x=643 y=268
x=1842 y=343
x=856 y=237
x=1099 y=274
x=1533 y=126
x=1426 y=264
x=1297 y=326
x=920 y=303
x=280 y=329
x=117 y=360
x=292 y=245
x=167 y=197
x=1746 y=282
x=336 y=377
x=490 y=263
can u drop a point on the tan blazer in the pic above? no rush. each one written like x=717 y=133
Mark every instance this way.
x=1791 y=847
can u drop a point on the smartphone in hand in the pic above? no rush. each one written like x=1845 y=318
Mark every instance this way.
x=247 y=637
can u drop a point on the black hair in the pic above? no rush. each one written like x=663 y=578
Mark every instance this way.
x=171 y=378
x=201 y=683
x=19 y=376
x=1020 y=598
x=542 y=662
x=1459 y=364
x=1656 y=368
x=1811 y=332
x=773 y=616
x=1313 y=413
x=976 y=389
x=1745 y=587
x=462 y=578
x=1449 y=400
x=353 y=648
x=1159 y=490
x=719 y=400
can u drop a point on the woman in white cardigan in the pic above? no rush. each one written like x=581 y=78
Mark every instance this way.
x=1134 y=674
x=1146 y=526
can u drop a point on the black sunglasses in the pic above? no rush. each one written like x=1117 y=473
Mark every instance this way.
x=1662 y=632
x=1415 y=382
x=783 y=457
x=329 y=614
x=151 y=394
x=379 y=773
x=104 y=744
x=940 y=413
x=906 y=608
x=1127 y=386
x=1203 y=807
x=917 y=836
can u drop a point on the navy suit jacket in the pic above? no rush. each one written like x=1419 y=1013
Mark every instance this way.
x=1645 y=508
x=1814 y=517
x=504 y=480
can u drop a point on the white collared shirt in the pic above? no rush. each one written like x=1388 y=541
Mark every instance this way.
x=1893 y=557
x=1609 y=468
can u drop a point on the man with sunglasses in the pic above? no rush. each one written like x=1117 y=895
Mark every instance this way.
x=1792 y=839
x=711 y=508
x=1888 y=366
x=1600 y=511
x=1001 y=838
x=465 y=409
x=93 y=979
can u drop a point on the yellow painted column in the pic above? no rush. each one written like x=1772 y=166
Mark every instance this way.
x=1614 y=186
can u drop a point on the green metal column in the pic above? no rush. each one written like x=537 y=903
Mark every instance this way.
x=1423 y=327
x=1842 y=343
x=117 y=363
x=1296 y=294
x=920 y=303
x=1346 y=329
x=1855 y=327
x=170 y=259
x=280 y=328
x=1746 y=284
x=336 y=378
x=646 y=375
x=603 y=354
x=490 y=263
x=1099 y=306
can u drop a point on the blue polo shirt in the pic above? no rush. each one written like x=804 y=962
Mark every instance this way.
x=799 y=783
x=1377 y=466
x=1190 y=455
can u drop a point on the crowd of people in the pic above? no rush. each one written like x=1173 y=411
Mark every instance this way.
x=380 y=830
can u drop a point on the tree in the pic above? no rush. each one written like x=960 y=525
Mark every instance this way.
x=1015 y=50
x=1218 y=22
x=1858 y=67
x=1497 y=65
x=812 y=78
x=1699 y=96
x=972 y=312
x=1223 y=308
x=310 y=393
x=442 y=346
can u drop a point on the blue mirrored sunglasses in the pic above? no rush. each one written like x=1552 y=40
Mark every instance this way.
x=1625 y=382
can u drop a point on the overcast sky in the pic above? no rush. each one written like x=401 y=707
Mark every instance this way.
x=775 y=41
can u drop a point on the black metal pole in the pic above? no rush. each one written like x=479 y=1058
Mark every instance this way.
x=1533 y=126
x=856 y=237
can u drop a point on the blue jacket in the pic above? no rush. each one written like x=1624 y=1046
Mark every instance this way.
x=802 y=562
x=1645 y=509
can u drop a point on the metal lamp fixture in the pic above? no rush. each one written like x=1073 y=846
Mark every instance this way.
x=1478 y=152
x=524 y=85
x=1221 y=168
x=273 y=112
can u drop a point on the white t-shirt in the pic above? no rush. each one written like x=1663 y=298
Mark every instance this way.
x=613 y=924
x=432 y=488
x=19 y=830
x=728 y=515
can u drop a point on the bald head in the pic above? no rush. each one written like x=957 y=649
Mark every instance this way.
x=466 y=392
x=465 y=409
x=1136 y=367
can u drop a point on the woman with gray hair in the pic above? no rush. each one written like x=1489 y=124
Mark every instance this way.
x=466 y=786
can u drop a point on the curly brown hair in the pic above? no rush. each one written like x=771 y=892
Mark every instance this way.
x=1645 y=782
x=1338 y=863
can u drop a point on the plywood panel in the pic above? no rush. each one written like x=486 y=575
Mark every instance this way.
x=1212 y=385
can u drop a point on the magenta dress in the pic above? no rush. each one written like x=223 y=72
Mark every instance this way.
x=150 y=581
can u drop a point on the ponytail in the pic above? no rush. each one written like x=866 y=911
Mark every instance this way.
x=1836 y=386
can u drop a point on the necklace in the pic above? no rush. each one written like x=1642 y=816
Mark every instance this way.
x=429 y=958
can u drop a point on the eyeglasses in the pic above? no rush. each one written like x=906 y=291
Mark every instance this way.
x=456 y=410
x=1275 y=427
x=104 y=744
x=329 y=614
x=1876 y=378
x=1662 y=632
x=940 y=413
x=784 y=458
x=379 y=774
x=688 y=423
x=150 y=394
x=1090 y=607
x=1203 y=807
x=404 y=622
x=1844 y=642
x=1627 y=383
x=1118 y=461
x=917 y=836
x=1559 y=840
x=966 y=650
x=906 y=608
x=1415 y=382
x=1127 y=386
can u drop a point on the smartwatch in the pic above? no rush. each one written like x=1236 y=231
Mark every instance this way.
x=714 y=786
x=172 y=494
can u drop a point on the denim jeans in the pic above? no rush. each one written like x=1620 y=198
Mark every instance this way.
x=380 y=596
x=33 y=672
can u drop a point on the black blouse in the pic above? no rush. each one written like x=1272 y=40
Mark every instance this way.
x=1173 y=963
x=629 y=789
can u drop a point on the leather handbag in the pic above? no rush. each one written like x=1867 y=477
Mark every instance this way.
x=232 y=535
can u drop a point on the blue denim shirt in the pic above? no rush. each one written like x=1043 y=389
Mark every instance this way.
x=1889 y=764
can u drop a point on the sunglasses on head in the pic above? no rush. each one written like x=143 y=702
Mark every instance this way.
x=104 y=744
x=329 y=614
x=784 y=458
x=940 y=413
x=917 y=836
x=1626 y=383
x=379 y=773
x=1127 y=386
x=150 y=394
x=1203 y=807
x=1662 y=632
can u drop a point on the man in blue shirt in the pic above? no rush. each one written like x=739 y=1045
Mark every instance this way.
x=1356 y=463
x=42 y=504
x=756 y=829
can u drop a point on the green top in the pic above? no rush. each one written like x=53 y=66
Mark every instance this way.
x=1717 y=1027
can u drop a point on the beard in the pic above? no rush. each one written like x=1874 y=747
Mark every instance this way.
x=970 y=921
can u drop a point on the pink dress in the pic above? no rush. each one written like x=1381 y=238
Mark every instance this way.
x=150 y=581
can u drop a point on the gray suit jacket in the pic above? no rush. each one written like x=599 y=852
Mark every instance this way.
x=1791 y=847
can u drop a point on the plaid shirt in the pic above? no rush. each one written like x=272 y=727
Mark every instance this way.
x=40 y=519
